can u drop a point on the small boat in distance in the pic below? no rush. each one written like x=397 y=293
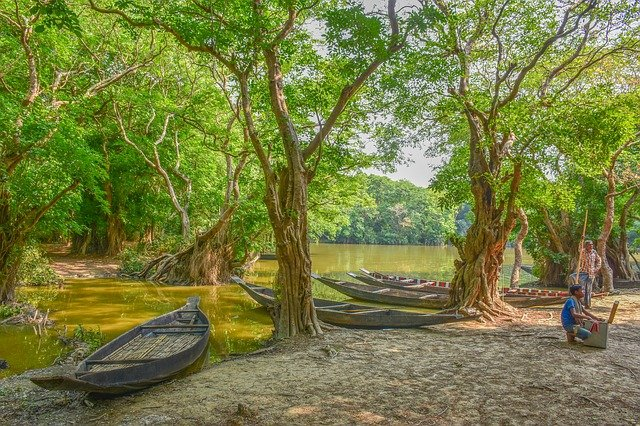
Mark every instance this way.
x=143 y=356
x=357 y=316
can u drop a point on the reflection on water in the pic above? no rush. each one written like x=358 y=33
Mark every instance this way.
x=334 y=260
x=238 y=325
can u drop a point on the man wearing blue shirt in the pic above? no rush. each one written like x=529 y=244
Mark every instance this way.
x=573 y=314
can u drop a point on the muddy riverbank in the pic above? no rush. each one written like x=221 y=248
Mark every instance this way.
x=516 y=372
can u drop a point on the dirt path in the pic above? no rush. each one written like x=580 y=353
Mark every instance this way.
x=512 y=373
x=80 y=266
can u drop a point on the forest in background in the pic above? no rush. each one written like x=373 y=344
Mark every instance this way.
x=206 y=133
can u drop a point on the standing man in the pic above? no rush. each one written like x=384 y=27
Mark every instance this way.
x=590 y=264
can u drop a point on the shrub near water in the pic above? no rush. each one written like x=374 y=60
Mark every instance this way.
x=35 y=270
x=93 y=338
x=131 y=261
x=40 y=298
x=7 y=311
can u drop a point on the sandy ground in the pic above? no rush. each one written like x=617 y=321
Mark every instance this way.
x=74 y=266
x=519 y=372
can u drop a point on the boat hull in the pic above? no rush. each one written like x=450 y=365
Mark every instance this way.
x=386 y=295
x=157 y=350
x=357 y=316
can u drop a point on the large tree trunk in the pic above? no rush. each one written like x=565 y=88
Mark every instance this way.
x=609 y=200
x=287 y=203
x=475 y=282
x=560 y=242
x=9 y=265
x=517 y=263
x=624 y=257
x=552 y=274
x=115 y=235
x=208 y=261
x=294 y=311
x=115 y=227
x=91 y=242
x=10 y=243
x=614 y=257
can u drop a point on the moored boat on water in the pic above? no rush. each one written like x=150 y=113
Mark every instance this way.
x=357 y=316
x=432 y=286
x=143 y=356
x=404 y=283
x=408 y=297
x=387 y=295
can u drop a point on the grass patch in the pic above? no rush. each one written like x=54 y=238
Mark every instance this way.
x=7 y=311
x=92 y=337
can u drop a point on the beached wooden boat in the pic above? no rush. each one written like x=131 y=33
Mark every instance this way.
x=430 y=286
x=387 y=295
x=145 y=355
x=357 y=316
x=422 y=299
x=404 y=283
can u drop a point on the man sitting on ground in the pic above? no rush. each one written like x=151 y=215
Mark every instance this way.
x=574 y=314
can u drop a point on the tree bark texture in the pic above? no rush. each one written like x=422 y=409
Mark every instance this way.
x=10 y=243
x=115 y=227
x=624 y=257
x=609 y=200
x=476 y=279
x=9 y=265
x=115 y=235
x=295 y=311
x=522 y=234
x=287 y=203
x=559 y=241
x=208 y=261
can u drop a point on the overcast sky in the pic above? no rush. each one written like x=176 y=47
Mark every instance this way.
x=419 y=172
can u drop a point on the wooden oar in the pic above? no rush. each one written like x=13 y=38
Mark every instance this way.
x=614 y=308
x=584 y=231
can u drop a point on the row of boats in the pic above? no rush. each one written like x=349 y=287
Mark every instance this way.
x=432 y=294
x=399 y=291
x=170 y=344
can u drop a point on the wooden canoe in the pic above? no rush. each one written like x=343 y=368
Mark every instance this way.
x=387 y=295
x=143 y=356
x=357 y=316
x=431 y=286
x=404 y=283
x=422 y=299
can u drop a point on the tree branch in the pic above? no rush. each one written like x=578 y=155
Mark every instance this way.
x=37 y=213
x=349 y=91
x=561 y=33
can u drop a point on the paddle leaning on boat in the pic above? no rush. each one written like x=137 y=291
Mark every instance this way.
x=143 y=356
x=357 y=316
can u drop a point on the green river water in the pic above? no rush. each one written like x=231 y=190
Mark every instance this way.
x=238 y=324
